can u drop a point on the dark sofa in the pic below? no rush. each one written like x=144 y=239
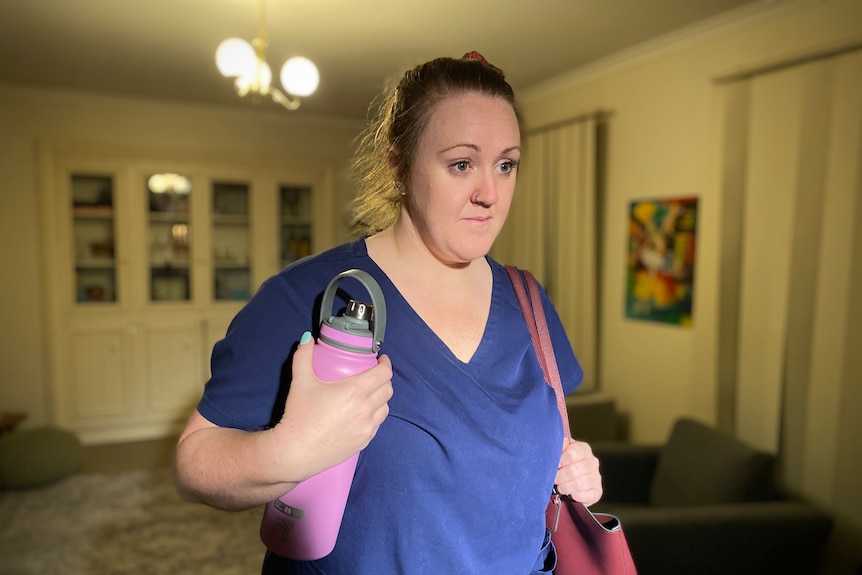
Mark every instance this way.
x=705 y=503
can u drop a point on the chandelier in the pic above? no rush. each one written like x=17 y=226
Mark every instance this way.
x=246 y=62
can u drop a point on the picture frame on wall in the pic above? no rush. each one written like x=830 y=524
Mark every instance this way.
x=661 y=258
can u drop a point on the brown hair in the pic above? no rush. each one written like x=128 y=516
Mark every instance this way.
x=387 y=148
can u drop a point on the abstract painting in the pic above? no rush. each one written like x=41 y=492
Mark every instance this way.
x=661 y=255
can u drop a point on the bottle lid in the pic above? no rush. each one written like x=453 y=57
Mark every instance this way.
x=358 y=315
x=359 y=310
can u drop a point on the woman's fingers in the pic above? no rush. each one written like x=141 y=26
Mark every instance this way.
x=578 y=475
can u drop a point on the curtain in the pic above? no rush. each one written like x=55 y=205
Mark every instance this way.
x=552 y=228
x=789 y=367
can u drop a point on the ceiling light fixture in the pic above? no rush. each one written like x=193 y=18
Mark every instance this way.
x=246 y=62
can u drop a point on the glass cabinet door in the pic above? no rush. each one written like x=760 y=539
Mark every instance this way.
x=169 y=236
x=93 y=231
x=230 y=241
x=295 y=223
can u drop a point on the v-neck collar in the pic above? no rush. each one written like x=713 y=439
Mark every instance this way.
x=485 y=344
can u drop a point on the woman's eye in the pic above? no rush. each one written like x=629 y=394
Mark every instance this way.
x=507 y=166
x=461 y=165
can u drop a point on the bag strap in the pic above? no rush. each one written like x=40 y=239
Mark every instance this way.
x=530 y=300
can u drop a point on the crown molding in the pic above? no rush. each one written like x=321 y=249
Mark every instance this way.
x=746 y=16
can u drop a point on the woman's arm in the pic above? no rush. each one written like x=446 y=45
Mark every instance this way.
x=323 y=424
x=228 y=468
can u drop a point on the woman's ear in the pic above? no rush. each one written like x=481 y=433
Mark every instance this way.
x=394 y=165
x=393 y=157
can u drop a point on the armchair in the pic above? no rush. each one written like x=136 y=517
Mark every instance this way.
x=706 y=503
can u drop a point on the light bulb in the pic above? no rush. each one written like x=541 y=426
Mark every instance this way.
x=265 y=78
x=299 y=76
x=255 y=80
x=180 y=185
x=157 y=183
x=236 y=57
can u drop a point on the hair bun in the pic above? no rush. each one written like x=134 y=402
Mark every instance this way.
x=480 y=58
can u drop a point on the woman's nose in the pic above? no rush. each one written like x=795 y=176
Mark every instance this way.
x=486 y=191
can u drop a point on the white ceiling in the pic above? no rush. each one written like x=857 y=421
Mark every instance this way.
x=165 y=48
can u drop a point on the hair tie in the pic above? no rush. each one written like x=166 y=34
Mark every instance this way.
x=480 y=58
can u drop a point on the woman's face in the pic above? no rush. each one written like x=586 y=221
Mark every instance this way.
x=464 y=176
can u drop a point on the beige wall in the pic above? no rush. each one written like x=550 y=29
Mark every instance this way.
x=666 y=139
x=663 y=142
x=29 y=117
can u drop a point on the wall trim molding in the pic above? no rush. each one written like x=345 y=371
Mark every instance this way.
x=746 y=16
x=812 y=55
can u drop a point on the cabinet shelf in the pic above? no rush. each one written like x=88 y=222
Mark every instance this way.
x=92 y=212
x=230 y=219
x=297 y=221
x=231 y=265
x=169 y=217
x=95 y=263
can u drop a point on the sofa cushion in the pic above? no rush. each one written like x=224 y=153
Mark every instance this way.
x=700 y=466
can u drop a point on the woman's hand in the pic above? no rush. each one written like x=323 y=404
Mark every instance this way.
x=323 y=424
x=578 y=475
x=327 y=422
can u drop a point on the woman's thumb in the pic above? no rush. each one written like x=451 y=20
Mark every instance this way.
x=302 y=355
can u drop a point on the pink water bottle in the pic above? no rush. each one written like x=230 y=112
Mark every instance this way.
x=303 y=524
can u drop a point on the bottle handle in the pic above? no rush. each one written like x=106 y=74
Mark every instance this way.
x=371 y=285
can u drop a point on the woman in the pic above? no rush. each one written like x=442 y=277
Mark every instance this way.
x=460 y=436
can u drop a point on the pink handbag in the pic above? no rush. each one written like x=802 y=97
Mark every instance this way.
x=587 y=543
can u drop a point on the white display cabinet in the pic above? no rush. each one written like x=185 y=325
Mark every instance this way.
x=146 y=261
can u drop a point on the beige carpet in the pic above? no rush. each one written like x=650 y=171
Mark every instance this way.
x=123 y=523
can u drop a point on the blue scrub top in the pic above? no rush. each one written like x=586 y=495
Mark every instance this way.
x=459 y=474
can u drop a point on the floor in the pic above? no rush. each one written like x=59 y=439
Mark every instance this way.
x=113 y=457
